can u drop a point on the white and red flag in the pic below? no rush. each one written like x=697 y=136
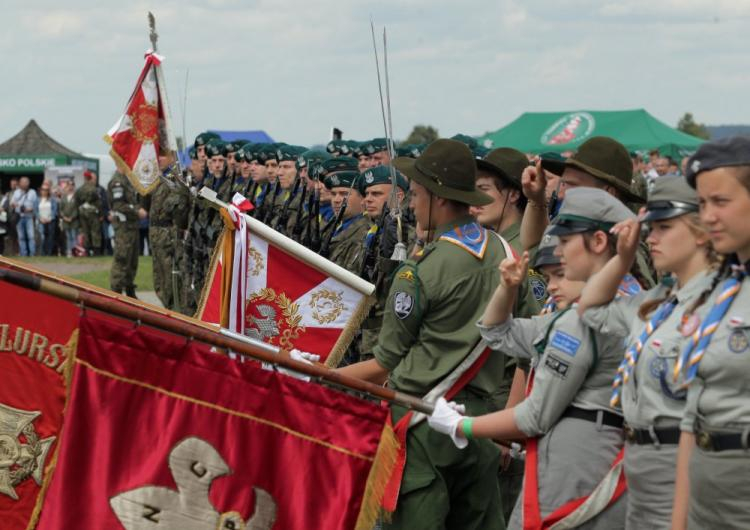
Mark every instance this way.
x=293 y=297
x=143 y=131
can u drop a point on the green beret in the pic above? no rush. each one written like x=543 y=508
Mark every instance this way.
x=204 y=137
x=266 y=152
x=235 y=145
x=216 y=148
x=355 y=148
x=480 y=151
x=377 y=145
x=382 y=175
x=340 y=163
x=465 y=139
x=338 y=146
x=342 y=179
x=289 y=152
x=193 y=153
x=310 y=157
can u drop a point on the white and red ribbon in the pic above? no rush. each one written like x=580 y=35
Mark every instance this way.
x=238 y=291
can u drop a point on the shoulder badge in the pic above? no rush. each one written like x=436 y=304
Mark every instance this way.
x=471 y=237
x=538 y=288
x=403 y=304
x=407 y=275
x=565 y=343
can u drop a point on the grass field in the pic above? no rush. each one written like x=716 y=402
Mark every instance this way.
x=93 y=270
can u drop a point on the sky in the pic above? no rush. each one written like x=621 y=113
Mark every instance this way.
x=295 y=68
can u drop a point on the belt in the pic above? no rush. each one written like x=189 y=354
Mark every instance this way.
x=655 y=436
x=608 y=418
x=709 y=441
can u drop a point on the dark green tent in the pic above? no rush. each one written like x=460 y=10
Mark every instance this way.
x=637 y=130
x=32 y=150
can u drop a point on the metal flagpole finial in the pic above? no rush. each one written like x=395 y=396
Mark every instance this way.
x=152 y=30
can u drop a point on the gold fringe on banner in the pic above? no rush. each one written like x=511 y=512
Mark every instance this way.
x=377 y=481
x=227 y=258
x=348 y=333
x=132 y=177
x=70 y=353
x=209 y=279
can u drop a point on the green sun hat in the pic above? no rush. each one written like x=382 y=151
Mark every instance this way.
x=447 y=168
x=606 y=159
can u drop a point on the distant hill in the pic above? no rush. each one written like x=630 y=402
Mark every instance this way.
x=722 y=131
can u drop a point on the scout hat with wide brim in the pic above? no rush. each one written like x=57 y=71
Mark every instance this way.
x=609 y=161
x=448 y=170
x=506 y=163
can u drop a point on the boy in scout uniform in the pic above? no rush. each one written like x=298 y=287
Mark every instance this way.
x=124 y=210
x=658 y=324
x=601 y=163
x=714 y=475
x=428 y=330
x=573 y=434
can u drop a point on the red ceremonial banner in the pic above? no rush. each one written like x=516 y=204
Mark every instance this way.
x=162 y=433
x=34 y=330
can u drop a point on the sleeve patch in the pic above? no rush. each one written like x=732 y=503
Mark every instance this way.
x=403 y=304
x=560 y=368
x=538 y=289
x=565 y=343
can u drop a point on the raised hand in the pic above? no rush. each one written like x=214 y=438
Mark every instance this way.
x=534 y=183
x=628 y=236
x=513 y=271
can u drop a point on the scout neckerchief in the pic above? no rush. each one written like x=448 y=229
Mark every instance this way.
x=633 y=352
x=576 y=511
x=549 y=306
x=455 y=381
x=693 y=353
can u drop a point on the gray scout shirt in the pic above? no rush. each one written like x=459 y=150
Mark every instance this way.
x=575 y=369
x=651 y=397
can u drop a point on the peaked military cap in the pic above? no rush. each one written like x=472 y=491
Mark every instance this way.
x=727 y=152
x=216 y=147
x=343 y=179
x=588 y=210
x=609 y=161
x=382 y=175
x=545 y=254
x=670 y=196
x=447 y=169
x=204 y=137
x=506 y=163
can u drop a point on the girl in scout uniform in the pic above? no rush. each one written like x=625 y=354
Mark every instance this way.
x=657 y=324
x=574 y=436
x=562 y=292
x=715 y=476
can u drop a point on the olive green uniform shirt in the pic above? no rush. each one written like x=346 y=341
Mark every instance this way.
x=429 y=321
x=346 y=245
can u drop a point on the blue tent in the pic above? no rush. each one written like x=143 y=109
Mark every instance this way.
x=256 y=137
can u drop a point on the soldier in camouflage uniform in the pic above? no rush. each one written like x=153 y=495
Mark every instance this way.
x=346 y=237
x=165 y=202
x=123 y=214
x=90 y=211
x=287 y=208
x=379 y=268
x=192 y=247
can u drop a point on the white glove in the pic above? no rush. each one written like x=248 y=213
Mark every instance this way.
x=517 y=451
x=445 y=419
x=303 y=357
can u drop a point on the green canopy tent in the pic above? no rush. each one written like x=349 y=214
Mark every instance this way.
x=32 y=150
x=637 y=130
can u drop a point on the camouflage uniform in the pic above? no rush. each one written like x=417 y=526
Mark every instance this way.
x=90 y=209
x=165 y=202
x=123 y=202
x=346 y=243
x=180 y=220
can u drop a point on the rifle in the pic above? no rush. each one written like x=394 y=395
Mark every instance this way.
x=268 y=212
x=325 y=248
x=297 y=228
x=312 y=234
x=284 y=215
x=369 y=262
x=250 y=195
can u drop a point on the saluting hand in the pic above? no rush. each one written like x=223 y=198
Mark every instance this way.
x=534 y=183
x=513 y=271
x=628 y=235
